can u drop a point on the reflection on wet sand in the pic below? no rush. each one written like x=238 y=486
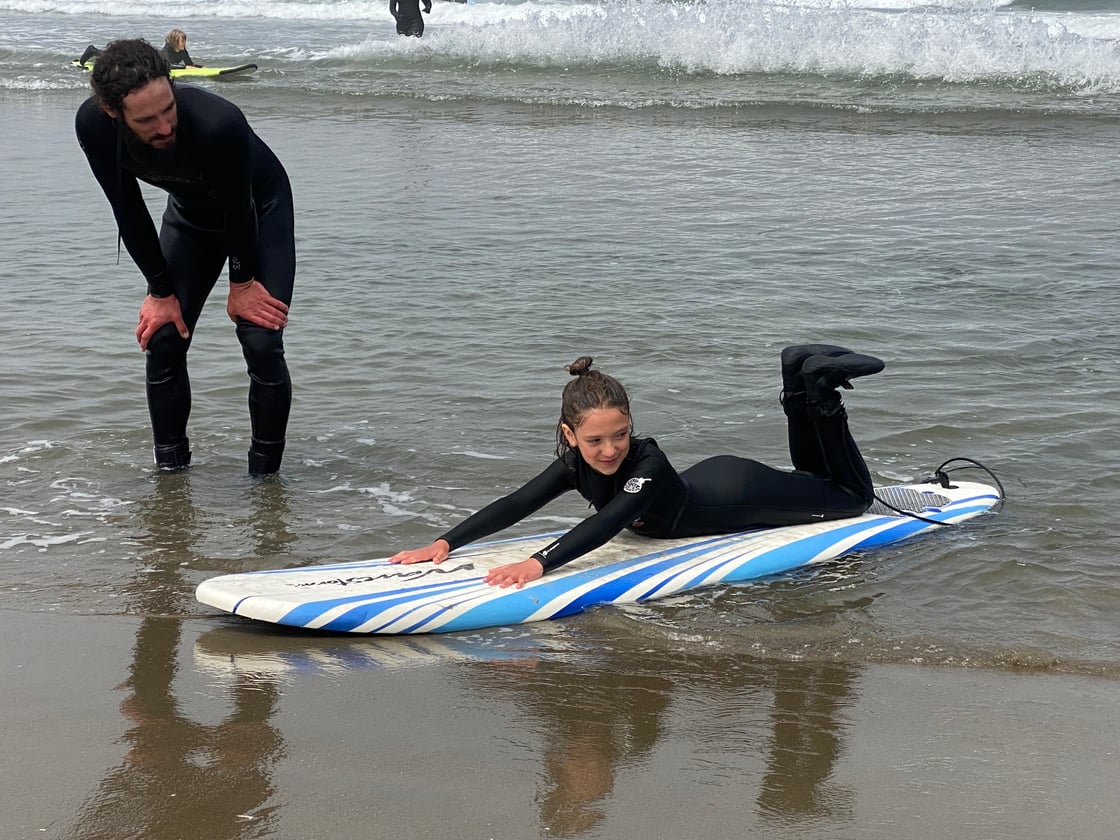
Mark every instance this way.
x=591 y=722
x=594 y=710
x=806 y=742
x=597 y=721
x=177 y=772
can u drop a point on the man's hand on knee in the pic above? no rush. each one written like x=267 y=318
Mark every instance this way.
x=154 y=313
x=252 y=302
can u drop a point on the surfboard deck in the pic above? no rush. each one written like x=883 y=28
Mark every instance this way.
x=191 y=72
x=374 y=596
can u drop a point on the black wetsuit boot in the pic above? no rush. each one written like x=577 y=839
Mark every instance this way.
x=804 y=451
x=173 y=456
x=822 y=375
x=269 y=405
x=265 y=456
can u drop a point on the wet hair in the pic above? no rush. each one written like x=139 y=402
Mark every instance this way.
x=123 y=67
x=589 y=390
x=174 y=38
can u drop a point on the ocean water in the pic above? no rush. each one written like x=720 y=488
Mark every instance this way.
x=677 y=189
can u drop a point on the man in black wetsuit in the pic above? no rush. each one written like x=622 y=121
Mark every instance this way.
x=228 y=197
x=407 y=14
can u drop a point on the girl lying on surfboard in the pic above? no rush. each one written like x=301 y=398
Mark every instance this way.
x=632 y=485
x=174 y=51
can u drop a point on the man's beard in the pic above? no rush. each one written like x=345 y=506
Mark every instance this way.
x=141 y=148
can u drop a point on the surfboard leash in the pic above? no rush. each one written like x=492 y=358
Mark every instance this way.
x=941 y=478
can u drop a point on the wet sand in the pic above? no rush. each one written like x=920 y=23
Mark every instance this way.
x=205 y=727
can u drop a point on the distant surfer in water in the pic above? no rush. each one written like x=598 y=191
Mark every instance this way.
x=407 y=15
x=174 y=50
x=228 y=197
x=632 y=485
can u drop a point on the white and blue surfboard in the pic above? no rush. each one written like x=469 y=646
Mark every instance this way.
x=375 y=596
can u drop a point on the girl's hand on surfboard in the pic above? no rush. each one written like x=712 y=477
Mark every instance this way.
x=436 y=552
x=515 y=574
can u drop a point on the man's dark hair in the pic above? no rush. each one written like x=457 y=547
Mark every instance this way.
x=123 y=67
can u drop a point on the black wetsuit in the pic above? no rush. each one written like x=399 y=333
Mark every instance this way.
x=177 y=58
x=407 y=14
x=719 y=495
x=229 y=196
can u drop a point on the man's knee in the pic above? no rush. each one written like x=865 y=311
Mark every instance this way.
x=166 y=354
x=264 y=352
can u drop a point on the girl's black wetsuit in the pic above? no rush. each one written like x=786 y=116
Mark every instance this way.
x=228 y=197
x=719 y=495
x=177 y=58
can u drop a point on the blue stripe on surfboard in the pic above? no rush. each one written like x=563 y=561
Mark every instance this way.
x=787 y=557
x=517 y=606
x=360 y=614
x=303 y=614
x=431 y=610
x=328 y=603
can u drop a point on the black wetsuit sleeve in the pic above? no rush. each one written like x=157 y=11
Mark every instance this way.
x=511 y=509
x=640 y=488
x=97 y=135
x=393 y=8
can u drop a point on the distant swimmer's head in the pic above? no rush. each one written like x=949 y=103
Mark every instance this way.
x=132 y=83
x=594 y=418
x=176 y=39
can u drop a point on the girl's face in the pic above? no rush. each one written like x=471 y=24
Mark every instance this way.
x=602 y=438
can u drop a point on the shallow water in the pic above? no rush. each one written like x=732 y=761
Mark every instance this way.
x=984 y=284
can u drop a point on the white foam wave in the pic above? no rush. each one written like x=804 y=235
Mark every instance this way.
x=957 y=41
x=483 y=456
x=32 y=83
x=446 y=12
x=727 y=38
x=41 y=541
x=385 y=493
